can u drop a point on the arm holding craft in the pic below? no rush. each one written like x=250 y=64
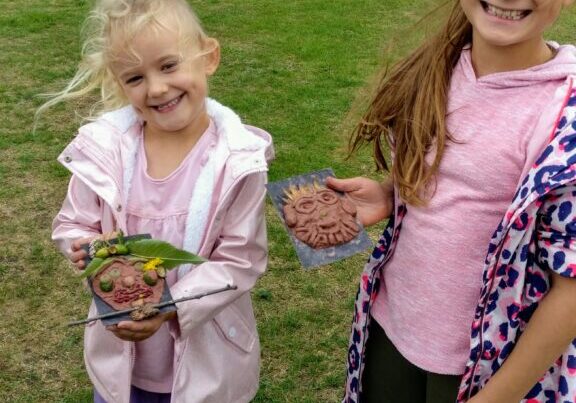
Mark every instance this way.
x=79 y=216
x=239 y=258
x=77 y=222
x=130 y=330
x=374 y=200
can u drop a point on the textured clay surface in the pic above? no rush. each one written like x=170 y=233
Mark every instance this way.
x=319 y=217
x=129 y=287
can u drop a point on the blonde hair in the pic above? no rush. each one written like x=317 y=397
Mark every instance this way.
x=109 y=30
x=408 y=111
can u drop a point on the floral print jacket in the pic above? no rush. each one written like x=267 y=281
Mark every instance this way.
x=537 y=235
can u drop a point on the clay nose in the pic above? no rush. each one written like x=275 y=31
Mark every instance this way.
x=328 y=224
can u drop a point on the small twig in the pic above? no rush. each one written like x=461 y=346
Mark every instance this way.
x=160 y=305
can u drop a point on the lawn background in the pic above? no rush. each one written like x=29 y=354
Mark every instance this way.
x=296 y=68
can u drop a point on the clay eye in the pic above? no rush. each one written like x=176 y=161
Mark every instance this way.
x=327 y=197
x=305 y=205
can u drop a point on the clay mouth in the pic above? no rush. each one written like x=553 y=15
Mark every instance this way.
x=329 y=226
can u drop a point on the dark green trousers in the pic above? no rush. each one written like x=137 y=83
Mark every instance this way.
x=389 y=378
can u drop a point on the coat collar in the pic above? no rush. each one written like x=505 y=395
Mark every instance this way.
x=103 y=154
x=228 y=123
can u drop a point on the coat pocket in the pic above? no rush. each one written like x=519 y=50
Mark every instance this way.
x=234 y=328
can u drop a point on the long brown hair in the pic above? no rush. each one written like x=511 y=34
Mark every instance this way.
x=408 y=111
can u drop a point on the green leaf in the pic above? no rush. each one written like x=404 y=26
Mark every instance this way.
x=172 y=256
x=95 y=266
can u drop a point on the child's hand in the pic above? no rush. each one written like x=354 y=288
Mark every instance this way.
x=374 y=200
x=140 y=330
x=78 y=254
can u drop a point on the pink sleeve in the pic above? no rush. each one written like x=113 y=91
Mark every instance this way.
x=79 y=217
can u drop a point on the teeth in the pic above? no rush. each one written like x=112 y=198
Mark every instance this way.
x=505 y=14
x=169 y=104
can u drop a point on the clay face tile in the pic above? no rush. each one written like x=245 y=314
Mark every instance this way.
x=128 y=285
x=319 y=217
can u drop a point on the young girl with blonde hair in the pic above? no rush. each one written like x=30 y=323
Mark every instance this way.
x=481 y=121
x=159 y=157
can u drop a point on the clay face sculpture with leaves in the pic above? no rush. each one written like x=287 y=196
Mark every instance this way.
x=130 y=274
x=125 y=284
x=319 y=217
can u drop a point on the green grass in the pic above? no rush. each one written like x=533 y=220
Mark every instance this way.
x=295 y=68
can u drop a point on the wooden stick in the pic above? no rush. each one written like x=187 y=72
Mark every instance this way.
x=160 y=305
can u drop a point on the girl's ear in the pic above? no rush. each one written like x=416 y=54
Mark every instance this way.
x=212 y=58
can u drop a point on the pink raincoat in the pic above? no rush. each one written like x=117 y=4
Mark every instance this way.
x=216 y=351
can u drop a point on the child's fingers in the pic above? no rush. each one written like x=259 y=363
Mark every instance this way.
x=135 y=331
x=142 y=326
x=77 y=243
x=77 y=258
x=343 y=185
x=131 y=326
x=78 y=254
x=139 y=330
x=127 y=334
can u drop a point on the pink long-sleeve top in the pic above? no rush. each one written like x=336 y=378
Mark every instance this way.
x=432 y=282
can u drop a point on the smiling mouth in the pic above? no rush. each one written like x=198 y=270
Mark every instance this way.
x=506 y=14
x=168 y=105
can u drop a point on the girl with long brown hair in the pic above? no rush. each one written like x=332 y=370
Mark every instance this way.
x=481 y=124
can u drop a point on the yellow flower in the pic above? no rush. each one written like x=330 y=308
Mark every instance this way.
x=152 y=264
